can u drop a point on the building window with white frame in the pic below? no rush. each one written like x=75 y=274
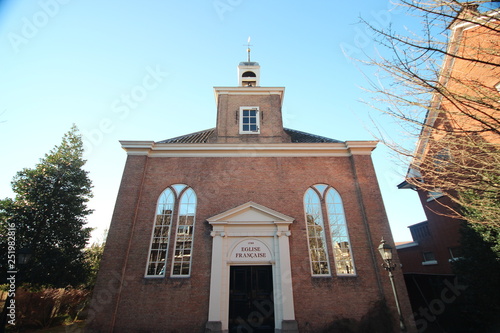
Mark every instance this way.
x=185 y=232
x=324 y=198
x=177 y=202
x=160 y=239
x=342 y=251
x=316 y=233
x=249 y=120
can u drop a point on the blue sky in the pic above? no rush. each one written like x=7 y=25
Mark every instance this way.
x=144 y=70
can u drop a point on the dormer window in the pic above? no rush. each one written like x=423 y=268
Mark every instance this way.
x=249 y=120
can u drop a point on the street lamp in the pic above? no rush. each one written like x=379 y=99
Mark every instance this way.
x=386 y=253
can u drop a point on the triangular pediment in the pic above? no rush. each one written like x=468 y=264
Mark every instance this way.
x=250 y=212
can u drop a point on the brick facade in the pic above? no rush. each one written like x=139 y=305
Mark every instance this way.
x=225 y=177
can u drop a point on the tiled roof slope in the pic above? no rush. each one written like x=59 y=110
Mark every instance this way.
x=203 y=136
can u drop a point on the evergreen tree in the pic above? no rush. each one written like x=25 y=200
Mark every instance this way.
x=49 y=213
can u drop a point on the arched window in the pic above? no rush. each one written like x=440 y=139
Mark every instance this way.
x=249 y=74
x=176 y=202
x=161 y=234
x=342 y=252
x=324 y=198
x=184 y=237
x=316 y=233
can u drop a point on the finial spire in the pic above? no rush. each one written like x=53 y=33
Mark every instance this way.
x=248 y=48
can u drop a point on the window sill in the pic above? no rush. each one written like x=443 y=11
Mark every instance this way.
x=430 y=262
x=347 y=275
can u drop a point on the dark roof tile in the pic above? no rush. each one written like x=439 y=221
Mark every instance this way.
x=203 y=136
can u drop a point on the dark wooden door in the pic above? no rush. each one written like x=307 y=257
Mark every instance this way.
x=251 y=306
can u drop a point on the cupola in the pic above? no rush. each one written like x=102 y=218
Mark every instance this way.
x=249 y=74
x=248 y=71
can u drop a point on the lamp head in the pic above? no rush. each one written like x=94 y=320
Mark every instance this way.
x=385 y=250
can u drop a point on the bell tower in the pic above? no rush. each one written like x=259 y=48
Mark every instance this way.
x=249 y=74
x=249 y=113
x=248 y=71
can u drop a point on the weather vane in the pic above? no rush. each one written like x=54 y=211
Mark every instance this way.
x=248 y=48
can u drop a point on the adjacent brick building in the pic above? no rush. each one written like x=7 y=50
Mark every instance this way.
x=466 y=105
x=247 y=227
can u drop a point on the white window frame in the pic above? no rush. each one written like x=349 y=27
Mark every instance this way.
x=322 y=238
x=178 y=236
x=177 y=192
x=332 y=223
x=249 y=108
x=168 y=238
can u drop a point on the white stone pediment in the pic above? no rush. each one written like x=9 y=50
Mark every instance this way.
x=250 y=213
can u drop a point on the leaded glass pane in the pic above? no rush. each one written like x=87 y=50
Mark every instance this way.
x=342 y=251
x=321 y=188
x=161 y=234
x=315 y=233
x=184 y=235
x=178 y=188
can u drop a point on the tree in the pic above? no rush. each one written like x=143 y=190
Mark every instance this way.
x=49 y=213
x=93 y=256
x=479 y=270
x=444 y=92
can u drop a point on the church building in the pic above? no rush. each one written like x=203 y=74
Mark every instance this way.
x=247 y=227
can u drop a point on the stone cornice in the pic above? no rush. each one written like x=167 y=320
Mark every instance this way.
x=152 y=149
x=248 y=91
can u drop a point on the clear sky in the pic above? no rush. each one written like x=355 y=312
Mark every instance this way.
x=144 y=70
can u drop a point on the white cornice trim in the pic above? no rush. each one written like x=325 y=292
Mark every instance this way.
x=248 y=91
x=273 y=216
x=152 y=149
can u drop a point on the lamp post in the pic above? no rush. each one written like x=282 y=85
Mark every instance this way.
x=386 y=253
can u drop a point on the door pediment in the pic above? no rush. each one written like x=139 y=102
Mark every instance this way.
x=250 y=213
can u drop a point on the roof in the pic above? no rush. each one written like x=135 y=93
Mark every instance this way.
x=249 y=63
x=203 y=136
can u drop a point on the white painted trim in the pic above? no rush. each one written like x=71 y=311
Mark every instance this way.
x=429 y=262
x=248 y=91
x=257 y=117
x=340 y=149
x=225 y=216
x=250 y=221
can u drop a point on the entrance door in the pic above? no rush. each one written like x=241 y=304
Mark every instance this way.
x=251 y=306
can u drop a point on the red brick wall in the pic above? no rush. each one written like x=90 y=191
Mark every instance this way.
x=181 y=304
x=271 y=125
x=444 y=233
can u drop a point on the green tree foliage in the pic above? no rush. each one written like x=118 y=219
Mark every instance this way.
x=479 y=269
x=49 y=212
x=93 y=256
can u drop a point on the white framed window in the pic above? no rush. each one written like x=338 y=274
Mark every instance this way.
x=316 y=234
x=324 y=198
x=249 y=120
x=433 y=195
x=429 y=258
x=177 y=202
x=160 y=238
x=342 y=251
x=184 y=237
